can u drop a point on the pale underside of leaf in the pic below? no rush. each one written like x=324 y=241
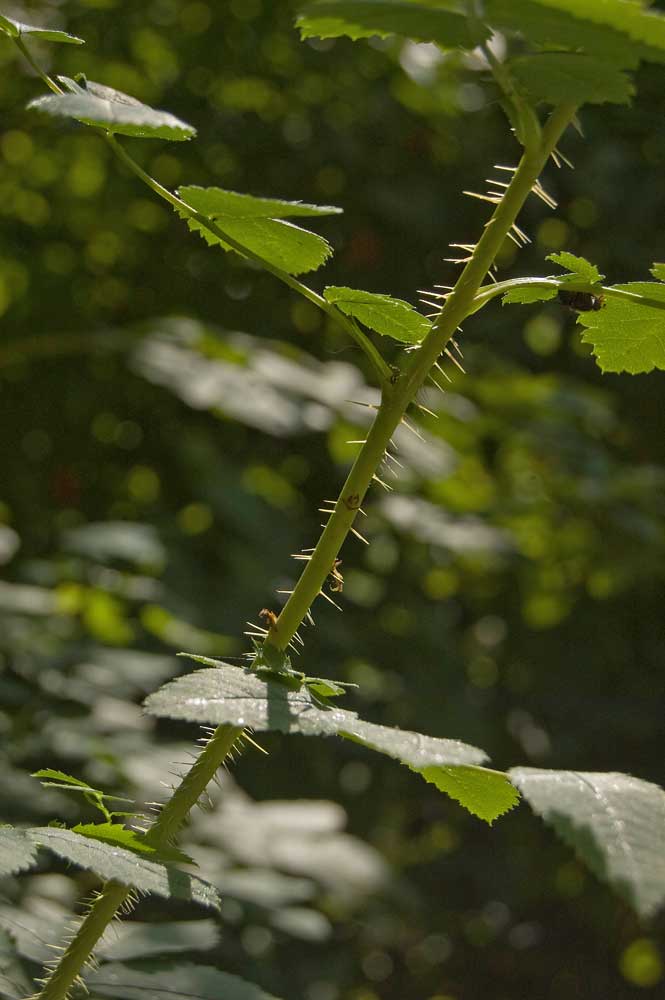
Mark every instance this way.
x=232 y=696
x=385 y=315
x=165 y=981
x=113 y=862
x=629 y=335
x=118 y=116
x=16 y=28
x=17 y=852
x=444 y=23
x=615 y=823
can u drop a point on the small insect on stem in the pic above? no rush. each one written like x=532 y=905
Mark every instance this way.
x=352 y=502
x=581 y=301
x=335 y=577
x=269 y=617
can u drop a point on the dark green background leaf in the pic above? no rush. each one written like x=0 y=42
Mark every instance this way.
x=425 y=22
x=554 y=77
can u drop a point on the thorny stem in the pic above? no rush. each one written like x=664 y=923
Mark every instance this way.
x=113 y=895
x=396 y=399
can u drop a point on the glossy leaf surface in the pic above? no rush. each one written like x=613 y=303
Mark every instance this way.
x=614 y=822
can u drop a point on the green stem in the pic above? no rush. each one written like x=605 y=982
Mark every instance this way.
x=396 y=399
x=113 y=895
x=95 y=922
x=51 y=84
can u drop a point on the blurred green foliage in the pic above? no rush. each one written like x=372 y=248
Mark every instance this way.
x=171 y=418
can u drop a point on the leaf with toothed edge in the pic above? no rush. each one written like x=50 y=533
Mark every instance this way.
x=615 y=823
x=233 y=696
x=15 y=29
x=580 y=269
x=219 y=203
x=133 y=840
x=382 y=313
x=17 y=852
x=618 y=32
x=485 y=793
x=554 y=77
x=628 y=334
x=247 y=220
x=125 y=866
x=104 y=107
x=444 y=23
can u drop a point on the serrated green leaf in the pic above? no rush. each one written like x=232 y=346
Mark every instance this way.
x=15 y=29
x=164 y=981
x=324 y=688
x=66 y=782
x=614 y=822
x=275 y=241
x=381 y=313
x=218 y=203
x=608 y=30
x=631 y=19
x=628 y=335
x=443 y=22
x=232 y=696
x=17 y=852
x=485 y=793
x=526 y=294
x=658 y=271
x=110 y=861
x=132 y=840
x=580 y=269
x=104 y=107
x=556 y=77
x=60 y=777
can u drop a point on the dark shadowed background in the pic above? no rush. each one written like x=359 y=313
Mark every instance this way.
x=170 y=420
